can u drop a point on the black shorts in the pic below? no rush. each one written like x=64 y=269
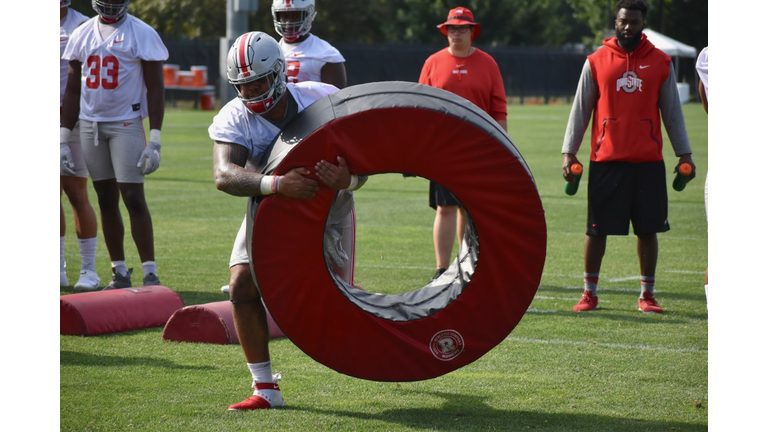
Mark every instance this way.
x=620 y=192
x=441 y=196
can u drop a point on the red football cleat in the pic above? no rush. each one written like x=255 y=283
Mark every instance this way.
x=588 y=302
x=267 y=395
x=648 y=304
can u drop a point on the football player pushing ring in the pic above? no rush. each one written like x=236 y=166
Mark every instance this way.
x=456 y=318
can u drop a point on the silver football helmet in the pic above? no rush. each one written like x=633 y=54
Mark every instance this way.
x=254 y=56
x=110 y=11
x=291 y=31
x=64 y=3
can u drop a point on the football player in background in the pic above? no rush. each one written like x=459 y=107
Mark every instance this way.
x=702 y=68
x=307 y=57
x=115 y=82
x=242 y=131
x=73 y=178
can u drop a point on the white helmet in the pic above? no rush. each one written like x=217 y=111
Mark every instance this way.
x=110 y=12
x=291 y=31
x=64 y=3
x=253 y=56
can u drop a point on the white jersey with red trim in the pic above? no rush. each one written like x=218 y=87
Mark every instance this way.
x=306 y=59
x=66 y=27
x=112 y=82
x=234 y=124
x=702 y=67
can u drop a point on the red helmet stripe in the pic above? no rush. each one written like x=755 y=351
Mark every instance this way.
x=242 y=54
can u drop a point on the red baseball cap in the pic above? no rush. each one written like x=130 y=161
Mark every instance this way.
x=461 y=16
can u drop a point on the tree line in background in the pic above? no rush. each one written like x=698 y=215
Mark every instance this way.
x=533 y=23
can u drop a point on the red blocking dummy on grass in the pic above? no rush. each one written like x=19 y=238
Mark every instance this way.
x=209 y=323
x=117 y=310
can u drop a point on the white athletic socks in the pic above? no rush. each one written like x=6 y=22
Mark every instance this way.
x=62 y=261
x=149 y=267
x=88 y=253
x=261 y=372
x=118 y=267
x=646 y=284
x=706 y=294
x=590 y=282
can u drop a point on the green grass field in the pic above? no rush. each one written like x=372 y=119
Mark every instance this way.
x=613 y=369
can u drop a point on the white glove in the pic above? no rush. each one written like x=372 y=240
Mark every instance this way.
x=332 y=247
x=150 y=158
x=67 y=165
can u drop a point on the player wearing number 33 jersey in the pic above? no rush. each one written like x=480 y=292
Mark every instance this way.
x=112 y=81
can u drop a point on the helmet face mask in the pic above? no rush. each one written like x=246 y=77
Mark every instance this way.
x=64 y=3
x=255 y=56
x=111 y=11
x=293 y=30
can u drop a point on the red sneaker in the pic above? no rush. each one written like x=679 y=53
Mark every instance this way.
x=588 y=302
x=267 y=395
x=648 y=304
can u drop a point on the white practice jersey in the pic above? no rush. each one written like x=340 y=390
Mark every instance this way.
x=66 y=27
x=305 y=60
x=702 y=67
x=234 y=124
x=112 y=82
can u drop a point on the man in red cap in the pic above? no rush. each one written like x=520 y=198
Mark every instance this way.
x=474 y=75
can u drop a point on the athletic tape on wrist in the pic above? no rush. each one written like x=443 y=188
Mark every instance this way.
x=268 y=185
x=353 y=181
x=64 y=134
x=154 y=135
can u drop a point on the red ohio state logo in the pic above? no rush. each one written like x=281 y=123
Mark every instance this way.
x=446 y=345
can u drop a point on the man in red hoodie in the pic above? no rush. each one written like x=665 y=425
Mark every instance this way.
x=625 y=86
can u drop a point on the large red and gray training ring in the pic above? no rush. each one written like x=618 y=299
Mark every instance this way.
x=398 y=127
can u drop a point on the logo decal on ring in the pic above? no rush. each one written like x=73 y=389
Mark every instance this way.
x=446 y=345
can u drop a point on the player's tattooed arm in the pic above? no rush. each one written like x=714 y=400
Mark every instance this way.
x=231 y=176
x=229 y=171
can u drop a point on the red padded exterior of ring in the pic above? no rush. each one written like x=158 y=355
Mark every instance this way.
x=496 y=190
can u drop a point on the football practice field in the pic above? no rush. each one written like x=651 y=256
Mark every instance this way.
x=608 y=370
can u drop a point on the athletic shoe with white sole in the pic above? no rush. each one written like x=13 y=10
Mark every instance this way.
x=267 y=395
x=225 y=289
x=588 y=302
x=119 y=281
x=151 y=279
x=89 y=281
x=648 y=304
